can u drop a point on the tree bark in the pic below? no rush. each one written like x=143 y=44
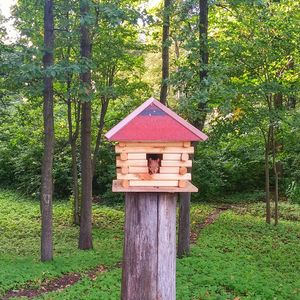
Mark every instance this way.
x=104 y=106
x=99 y=133
x=184 y=225
x=203 y=59
x=73 y=143
x=276 y=147
x=149 y=262
x=276 y=196
x=292 y=101
x=165 y=52
x=184 y=211
x=267 y=177
x=47 y=164
x=85 y=234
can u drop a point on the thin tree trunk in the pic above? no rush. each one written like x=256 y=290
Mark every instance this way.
x=203 y=59
x=184 y=225
x=184 y=209
x=277 y=166
x=276 y=198
x=105 y=102
x=73 y=143
x=267 y=177
x=184 y=230
x=165 y=52
x=100 y=131
x=47 y=164
x=292 y=101
x=85 y=234
x=177 y=54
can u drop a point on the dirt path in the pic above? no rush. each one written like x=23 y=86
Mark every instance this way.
x=210 y=219
x=56 y=284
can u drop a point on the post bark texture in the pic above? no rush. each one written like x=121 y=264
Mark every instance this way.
x=47 y=164
x=149 y=266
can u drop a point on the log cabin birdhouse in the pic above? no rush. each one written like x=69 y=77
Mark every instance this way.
x=153 y=150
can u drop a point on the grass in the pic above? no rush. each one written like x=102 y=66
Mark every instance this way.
x=20 y=242
x=237 y=257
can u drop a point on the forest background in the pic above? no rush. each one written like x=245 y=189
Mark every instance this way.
x=248 y=100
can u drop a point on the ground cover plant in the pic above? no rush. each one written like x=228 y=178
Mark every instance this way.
x=236 y=257
x=20 y=241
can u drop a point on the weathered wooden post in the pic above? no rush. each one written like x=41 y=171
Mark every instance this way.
x=153 y=151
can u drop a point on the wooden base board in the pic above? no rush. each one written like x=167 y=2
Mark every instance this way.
x=117 y=187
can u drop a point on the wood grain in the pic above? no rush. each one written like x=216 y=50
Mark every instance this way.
x=139 y=276
x=123 y=156
x=169 y=170
x=176 y=163
x=157 y=176
x=131 y=163
x=182 y=170
x=154 y=149
x=117 y=187
x=166 y=247
x=149 y=257
x=184 y=157
x=153 y=182
x=135 y=170
x=181 y=183
x=125 y=183
x=137 y=156
x=124 y=170
x=172 y=156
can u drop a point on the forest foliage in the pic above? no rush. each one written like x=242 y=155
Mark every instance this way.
x=253 y=62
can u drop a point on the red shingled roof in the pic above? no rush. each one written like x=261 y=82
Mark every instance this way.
x=152 y=121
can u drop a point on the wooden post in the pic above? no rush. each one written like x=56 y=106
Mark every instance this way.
x=149 y=261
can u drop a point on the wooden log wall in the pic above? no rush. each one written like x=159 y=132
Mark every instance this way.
x=132 y=163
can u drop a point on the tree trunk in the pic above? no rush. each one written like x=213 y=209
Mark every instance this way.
x=73 y=143
x=149 y=262
x=85 y=234
x=276 y=196
x=165 y=52
x=292 y=101
x=203 y=59
x=73 y=136
x=47 y=164
x=184 y=225
x=276 y=147
x=267 y=178
x=76 y=215
x=184 y=211
x=99 y=133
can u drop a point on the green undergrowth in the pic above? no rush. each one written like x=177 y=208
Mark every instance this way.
x=238 y=198
x=20 y=242
x=242 y=257
x=287 y=211
x=237 y=257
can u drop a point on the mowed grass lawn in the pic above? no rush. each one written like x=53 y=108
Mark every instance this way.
x=237 y=257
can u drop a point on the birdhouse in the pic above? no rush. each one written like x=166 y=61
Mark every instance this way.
x=153 y=150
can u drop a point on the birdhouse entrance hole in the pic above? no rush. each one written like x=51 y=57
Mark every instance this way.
x=154 y=163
